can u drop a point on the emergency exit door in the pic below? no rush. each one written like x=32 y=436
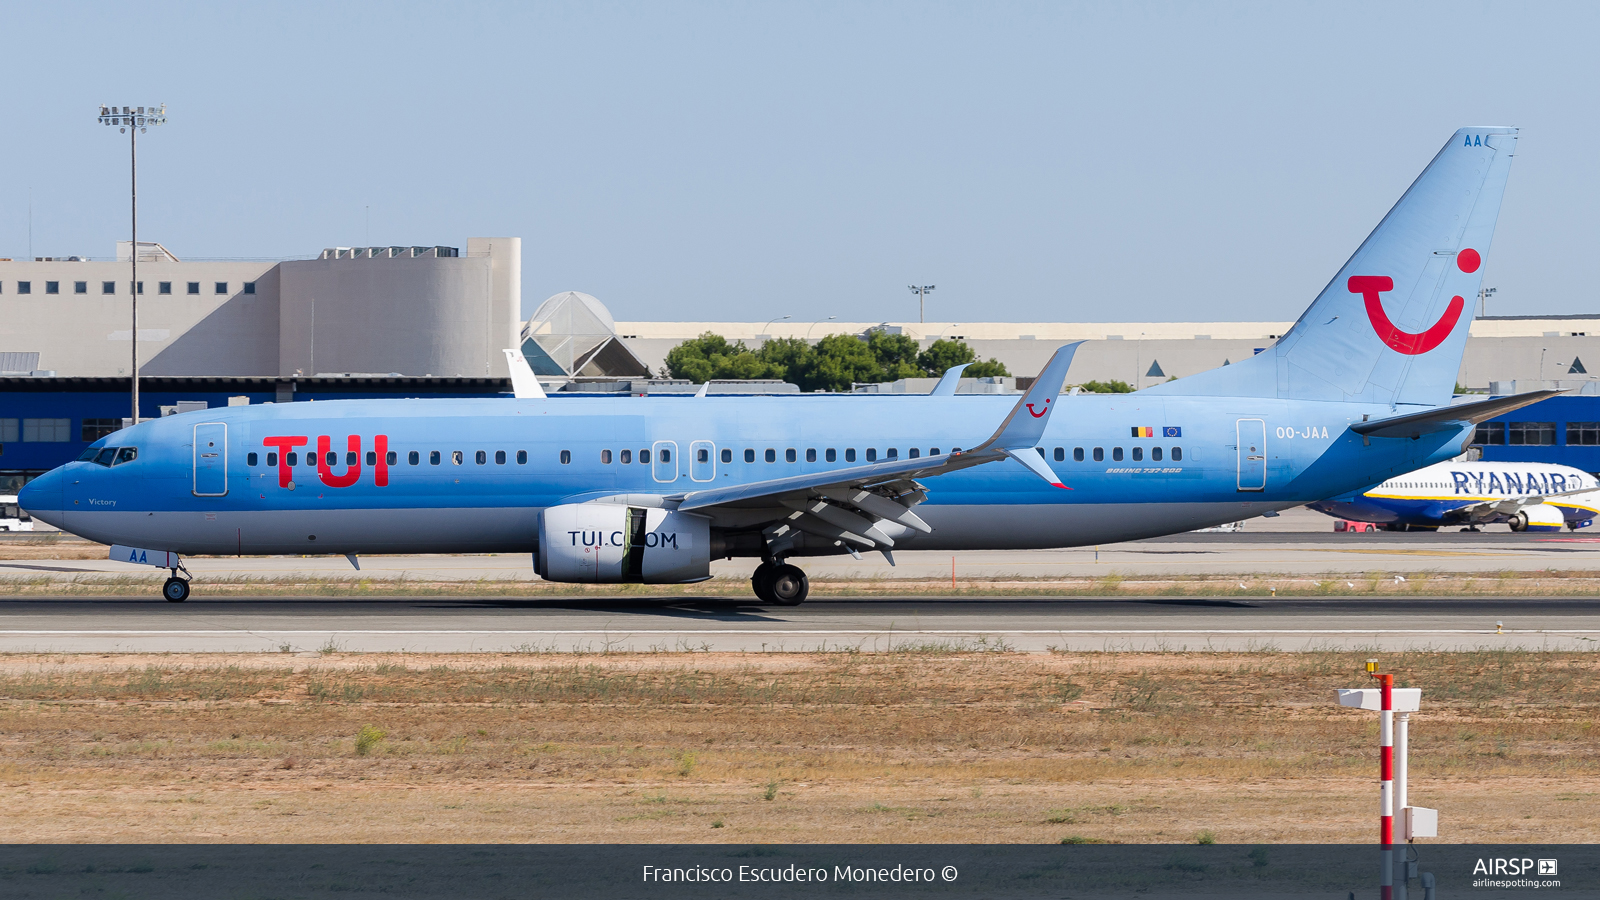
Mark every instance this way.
x=1252 y=454
x=210 y=459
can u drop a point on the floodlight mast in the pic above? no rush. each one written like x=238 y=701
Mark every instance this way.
x=134 y=120
x=922 y=297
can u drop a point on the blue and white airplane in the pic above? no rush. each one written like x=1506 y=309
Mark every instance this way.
x=652 y=489
x=1525 y=496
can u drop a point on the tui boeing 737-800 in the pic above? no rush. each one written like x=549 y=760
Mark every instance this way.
x=652 y=489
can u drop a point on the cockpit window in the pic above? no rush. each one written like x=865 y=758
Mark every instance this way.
x=89 y=454
x=106 y=456
x=126 y=454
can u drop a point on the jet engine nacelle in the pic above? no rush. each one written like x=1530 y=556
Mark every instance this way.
x=608 y=543
x=1543 y=517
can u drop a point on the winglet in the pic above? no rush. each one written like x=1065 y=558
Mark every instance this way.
x=1025 y=424
x=703 y=388
x=1035 y=463
x=523 y=383
x=949 y=381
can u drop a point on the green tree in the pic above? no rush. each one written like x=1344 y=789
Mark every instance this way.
x=896 y=355
x=793 y=356
x=712 y=356
x=942 y=354
x=1107 y=387
x=842 y=360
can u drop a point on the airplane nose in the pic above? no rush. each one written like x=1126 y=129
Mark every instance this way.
x=41 y=497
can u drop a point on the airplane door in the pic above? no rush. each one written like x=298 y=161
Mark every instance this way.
x=1252 y=454
x=703 y=461
x=664 y=461
x=211 y=459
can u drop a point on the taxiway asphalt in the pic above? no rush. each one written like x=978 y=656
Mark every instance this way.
x=457 y=624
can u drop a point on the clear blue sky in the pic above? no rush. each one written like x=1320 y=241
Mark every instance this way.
x=1037 y=162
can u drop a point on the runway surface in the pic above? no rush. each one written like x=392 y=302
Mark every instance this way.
x=1035 y=624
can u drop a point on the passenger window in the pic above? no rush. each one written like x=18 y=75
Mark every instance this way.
x=727 y=455
x=127 y=454
x=749 y=455
x=893 y=453
x=391 y=457
x=626 y=456
x=788 y=455
x=914 y=453
x=1099 y=454
x=522 y=457
x=933 y=451
x=293 y=458
x=849 y=454
x=272 y=460
x=481 y=457
x=566 y=457
x=350 y=458
x=433 y=457
x=1061 y=454
x=644 y=457
x=872 y=454
x=413 y=457
x=456 y=457
x=1116 y=454
x=1155 y=453
x=1077 y=454
x=703 y=455
x=605 y=457
x=1177 y=454
x=811 y=454
x=831 y=455
x=666 y=454
x=372 y=457
x=250 y=460
x=1138 y=454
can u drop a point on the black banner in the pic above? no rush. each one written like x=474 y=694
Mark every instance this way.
x=668 y=872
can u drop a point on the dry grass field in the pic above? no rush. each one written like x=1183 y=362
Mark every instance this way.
x=924 y=745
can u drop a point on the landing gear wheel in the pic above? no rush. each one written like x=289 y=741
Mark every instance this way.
x=176 y=590
x=788 y=586
x=761 y=582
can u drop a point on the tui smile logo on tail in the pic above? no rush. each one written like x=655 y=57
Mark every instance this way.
x=1371 y=289
x=1041 y=412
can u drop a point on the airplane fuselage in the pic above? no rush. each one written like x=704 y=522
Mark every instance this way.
x=410 y=476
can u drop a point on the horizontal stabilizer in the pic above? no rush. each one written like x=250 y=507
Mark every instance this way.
x=1446 y=418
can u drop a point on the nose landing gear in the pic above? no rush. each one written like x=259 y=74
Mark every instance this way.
x=780 y=583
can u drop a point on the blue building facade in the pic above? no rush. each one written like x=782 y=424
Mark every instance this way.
x=1562 y=430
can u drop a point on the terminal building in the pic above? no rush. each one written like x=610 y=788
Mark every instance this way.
x=432 y=321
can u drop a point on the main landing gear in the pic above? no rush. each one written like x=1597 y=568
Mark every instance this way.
x=176 y=589
x=780 y=583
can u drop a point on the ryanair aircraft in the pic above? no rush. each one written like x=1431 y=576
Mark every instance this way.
x=1526 y=496
x=652 y=489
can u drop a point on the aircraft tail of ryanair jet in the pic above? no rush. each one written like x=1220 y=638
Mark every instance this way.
x=1391 y=326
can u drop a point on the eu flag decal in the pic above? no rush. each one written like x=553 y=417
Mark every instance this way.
x=1143 y=431
x=1172 y=431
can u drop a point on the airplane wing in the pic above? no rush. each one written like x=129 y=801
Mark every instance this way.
x=1445 y=418
x=848 y=505
x=1489 y=509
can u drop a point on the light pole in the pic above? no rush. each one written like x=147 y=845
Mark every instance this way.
x=815 y=324
x=767 y=334
x=133 y=120
x=922 y=300
x=1483 y=300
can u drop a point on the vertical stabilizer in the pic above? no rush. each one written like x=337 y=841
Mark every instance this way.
x=1392 y=325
